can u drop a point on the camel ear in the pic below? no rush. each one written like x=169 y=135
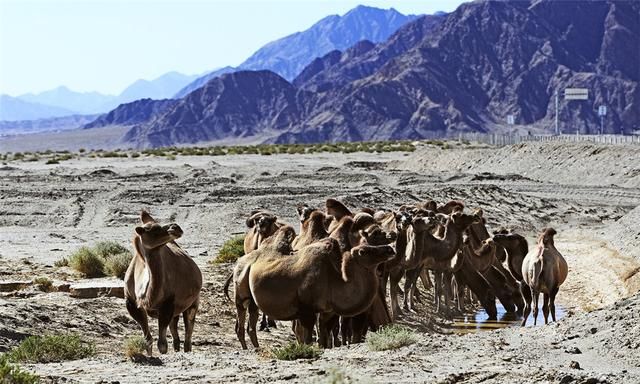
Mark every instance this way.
x=140 y=230
x=299 y=208
x=145 y=217
x=250 y=222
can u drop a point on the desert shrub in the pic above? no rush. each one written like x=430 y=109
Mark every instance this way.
x=116 y=265
x=105 y=249
x=13 y=374
x=171 y=157
x=53 y=161
x=87 y=262
x=32 y=158
x=43 y=283
x=135 y=347
x=135 y=155
x=64 y=262
x=391 y=337
x=51 y=349
x=231 y=250
x=295 y=351
x=82 y=150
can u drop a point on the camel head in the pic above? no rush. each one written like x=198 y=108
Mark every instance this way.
x=451 y=207
x=546 y=237
x=363 y=220
x=488 y=246
x=304 y=212
x=428 y=205
x=368 y=256
x=153 y=235
x=462 y=220
x=264 y=221
x=424 y=223
x=403 y=220
x=375 y=235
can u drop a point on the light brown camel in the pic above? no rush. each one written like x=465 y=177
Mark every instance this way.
x=337 y=210
x=162 y=282
x=261 y=224
x=300 y=287
x=278 y=245
x=311 y=230
x=544 y=270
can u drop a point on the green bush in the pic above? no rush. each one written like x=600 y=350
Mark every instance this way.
x=391 y=337
x=13 y=374
x=135 y=347
x=116 y=265
x=52 y=161
x=43 y=283
x=87 y=262
x=231 y=250
x=51 y=349
x=104 y=258
x=295 y=351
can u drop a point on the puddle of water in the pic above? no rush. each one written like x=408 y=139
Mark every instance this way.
x=479 y=321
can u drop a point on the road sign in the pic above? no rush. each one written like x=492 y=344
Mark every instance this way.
x=602 y=110
x=576 y=94
x=511 y=120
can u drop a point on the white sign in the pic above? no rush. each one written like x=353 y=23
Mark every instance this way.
x=576 y=94
x=602 y=110
x=511 y=119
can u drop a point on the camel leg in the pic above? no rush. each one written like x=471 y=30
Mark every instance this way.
x=437 y=276
x=526 y=295
x=446 y=282
x=545 y=307
x=253 y=322
x=189 y=318
x=346 y=329
x=326 y=325
x=335 y=332
x=536 y=297
x=409 y=288
x=175 y=337
x=359 y=325
x=165 y=315
x=552 y=302
x=140 y=316
x=240 y=320
x=307 y=322
x=426 y=280
x=394 y=278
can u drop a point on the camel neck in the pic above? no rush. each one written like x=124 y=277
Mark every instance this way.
x=445 y=248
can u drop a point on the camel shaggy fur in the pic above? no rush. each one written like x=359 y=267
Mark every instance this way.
x=162 y=282
x=261 y=224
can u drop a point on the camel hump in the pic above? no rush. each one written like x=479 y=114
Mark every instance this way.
x=337 y=209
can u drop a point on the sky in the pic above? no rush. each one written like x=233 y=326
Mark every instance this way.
x=105 y=45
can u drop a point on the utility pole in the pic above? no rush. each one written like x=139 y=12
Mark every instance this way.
x=557 y=130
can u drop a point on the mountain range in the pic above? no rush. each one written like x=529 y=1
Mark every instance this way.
x=437 y=75
x=62 y=101
x=289 y=55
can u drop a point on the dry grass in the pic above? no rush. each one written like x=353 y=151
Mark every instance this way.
x=43 y=283
x=135 y=347
x=231 y=250
x=13 y=374
x=391 y=337
x=295 y=351
x=104 y=258
x=51 y=349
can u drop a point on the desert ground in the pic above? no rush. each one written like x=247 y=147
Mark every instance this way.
x=589 y=192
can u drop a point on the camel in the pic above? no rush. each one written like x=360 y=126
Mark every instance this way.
x=289 y=288
x=311 y=230
x=439 y=249
x=544 y=270
x=261 y=224
x=162 y=282
x=278 y=245
x=511 y=250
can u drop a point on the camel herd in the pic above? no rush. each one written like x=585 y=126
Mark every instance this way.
x=332 y=278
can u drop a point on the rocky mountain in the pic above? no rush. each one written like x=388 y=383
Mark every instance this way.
x=13 y=109
x=163 y=87
x=289 y=55
x=133 y=113
x=467 y=72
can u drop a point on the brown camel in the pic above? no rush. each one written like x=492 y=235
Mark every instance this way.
x=261 y=224
x=162 y=282
x=337 y=210
x=544 y=270
x=511 y=250
x=278 y=245
x=300 y=287
x=311 y=230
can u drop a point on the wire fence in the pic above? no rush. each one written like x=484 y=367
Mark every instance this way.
x=497 y=139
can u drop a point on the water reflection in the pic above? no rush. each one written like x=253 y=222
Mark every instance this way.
x=479 y=321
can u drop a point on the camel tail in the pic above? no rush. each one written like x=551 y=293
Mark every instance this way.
x=226 y=286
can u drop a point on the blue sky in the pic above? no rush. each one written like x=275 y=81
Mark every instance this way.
x=104 y=45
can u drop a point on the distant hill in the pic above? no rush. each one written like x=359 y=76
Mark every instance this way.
x=132 y=113
x=13 y=109
x=62 y=98
x=289 y=55
x=464 y=72
x=44 y=125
